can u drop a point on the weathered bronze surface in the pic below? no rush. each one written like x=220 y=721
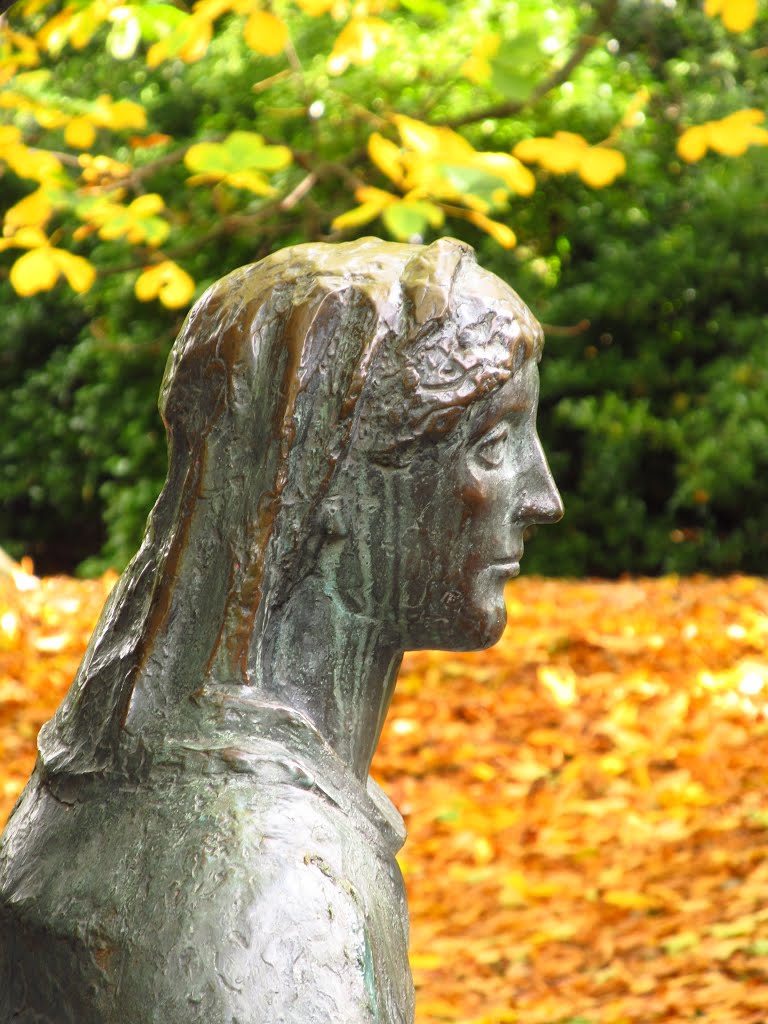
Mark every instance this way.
x=353 y=461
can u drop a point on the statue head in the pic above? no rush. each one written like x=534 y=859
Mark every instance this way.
x=360 y=416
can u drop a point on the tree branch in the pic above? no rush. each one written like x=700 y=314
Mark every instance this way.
x=586 y=42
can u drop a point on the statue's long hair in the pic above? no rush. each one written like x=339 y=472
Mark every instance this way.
x=261 y=399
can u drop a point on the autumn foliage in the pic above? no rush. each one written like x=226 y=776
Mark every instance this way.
x=61 y=145
x=588 y=824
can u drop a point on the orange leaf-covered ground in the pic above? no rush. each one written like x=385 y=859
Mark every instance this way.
x=587 y=803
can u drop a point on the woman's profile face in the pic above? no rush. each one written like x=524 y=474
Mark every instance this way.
x=476 y=500
x=430 y=545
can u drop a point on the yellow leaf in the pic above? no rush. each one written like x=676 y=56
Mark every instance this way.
x=734 y=134
x=561 y=684
x=629 y=900
x=424 y=138
x=119 y=115
x=314 y=8
x=78 y=271
x=36 y=164
x=560 y=154
x=265 y=33
x=49 y=117
x=600 y=166
x=166 y=281
x=253 y=181
x=80 y=133
x=387 y=157
x=9 y=134
x=502 y=234
x=692 y=144
x=25 y=238
x=737 y=15
x=33 y=210
x=53 y=35
x=477 y=67
x=102 y=169
x=358 y=216
x=633 y=115
x=147 y=206
x=35 y=271
x=425 y=961
x=518 y=178
x=730 y=136
x=358 y=43
x=189 y=43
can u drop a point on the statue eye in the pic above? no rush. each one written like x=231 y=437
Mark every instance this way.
x=490 y=450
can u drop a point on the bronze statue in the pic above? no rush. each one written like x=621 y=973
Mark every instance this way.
x=353 y=461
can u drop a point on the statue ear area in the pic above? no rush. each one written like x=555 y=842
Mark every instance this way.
x=428 y=278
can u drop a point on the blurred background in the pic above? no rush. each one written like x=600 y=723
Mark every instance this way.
x=608 y=160
x=585 y=802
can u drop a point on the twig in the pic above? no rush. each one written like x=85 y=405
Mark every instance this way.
x=587 y=41
x=558 y=331
x=304 y=186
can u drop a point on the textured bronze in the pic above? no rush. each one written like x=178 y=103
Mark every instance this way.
x=353 y=461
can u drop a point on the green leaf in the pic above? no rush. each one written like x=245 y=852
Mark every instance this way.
x=157 y=20
x=404 y=220
x=426 y=8
x=472 y=180
x=247 y=149
x=513 y=68
x=681 y=942
x=207 y=158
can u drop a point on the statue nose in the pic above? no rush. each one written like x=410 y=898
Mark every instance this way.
x=544 y=504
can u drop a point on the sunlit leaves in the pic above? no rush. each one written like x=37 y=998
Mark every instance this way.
x=737 y=15
x=405 y=218
x=567 y=153
x=314 y=8
x=39 y=269
x=75 y=25
x=415 y=176
x=80 y=119
x=34 y=210
x=165 y=281
x=188 y=36
x=438 y=167
x=80 y=133
x=444 y=164
x=137 y=222
x=37 y=164
x=358 y=43
x=102 y=171
x=17 y=51
x=265 y=33
x=509 y=64
x=188 y=41
x=477 y=67
x=731 y=136
x=501 y=233
x=132 y=23
x=243 y=160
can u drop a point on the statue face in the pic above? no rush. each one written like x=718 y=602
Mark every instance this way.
x=430 y=546
x=484 y=492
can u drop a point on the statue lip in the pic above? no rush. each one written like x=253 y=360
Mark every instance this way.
x=507 y=566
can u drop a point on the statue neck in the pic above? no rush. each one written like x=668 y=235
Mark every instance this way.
x=333 y=665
